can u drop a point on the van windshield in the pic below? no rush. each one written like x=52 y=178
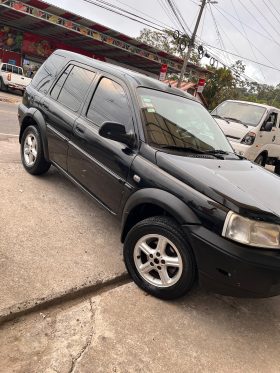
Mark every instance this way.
x=240 y=112
x=172 y=121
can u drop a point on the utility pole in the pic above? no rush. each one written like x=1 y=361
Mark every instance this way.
x=191 y=44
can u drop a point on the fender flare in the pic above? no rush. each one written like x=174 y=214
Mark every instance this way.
x=170 y=203
x=37 y=116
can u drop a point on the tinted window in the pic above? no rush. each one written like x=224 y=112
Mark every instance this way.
x=109 y=103
x=9 y=68
x=58 y=85
x=4 y=67
x=50 y=68
x=15 y=69
x=75 y=87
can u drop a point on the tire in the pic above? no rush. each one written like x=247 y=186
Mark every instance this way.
x=277 y=168
x=163 y=237
x=260 y=160
x=3 y=86
x=32 y=154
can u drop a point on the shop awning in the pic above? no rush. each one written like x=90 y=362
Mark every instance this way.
x=40 y=18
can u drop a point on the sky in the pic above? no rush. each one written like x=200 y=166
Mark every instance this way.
x=247 y=28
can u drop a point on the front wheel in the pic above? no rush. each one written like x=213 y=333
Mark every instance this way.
x=32 y=154
x=260 y=160
x=159 y=259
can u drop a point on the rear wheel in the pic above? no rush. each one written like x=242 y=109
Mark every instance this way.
x=260 y=160
x=3 y=86
x=159 y=259
x=32 y=154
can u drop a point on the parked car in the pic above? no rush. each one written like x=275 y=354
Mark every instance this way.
x=12 y=77
x=252 y=129
x=190 y=208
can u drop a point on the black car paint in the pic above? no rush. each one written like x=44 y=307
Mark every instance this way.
x=197 y=192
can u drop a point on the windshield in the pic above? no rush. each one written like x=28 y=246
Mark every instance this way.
x=245 y=113
x=176 y=121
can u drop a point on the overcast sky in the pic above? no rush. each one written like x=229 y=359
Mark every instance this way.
x=257 y=37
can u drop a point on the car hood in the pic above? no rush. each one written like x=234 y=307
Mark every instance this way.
x=233 y=130
x=239 y=185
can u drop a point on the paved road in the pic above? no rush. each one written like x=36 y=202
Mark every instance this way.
x=8 y=118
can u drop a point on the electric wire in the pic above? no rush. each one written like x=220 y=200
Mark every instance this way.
x=270 y=11
x=247 y=40
x=270 y=2
x=246 y=37
x=222 y=11
x=263 y=15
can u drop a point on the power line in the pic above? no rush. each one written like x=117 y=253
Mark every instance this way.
x=244 y=58
x=269 y=9
x=124 y=15
x=168 y=13
x=246 y=36
x=222 y=11
x=262 y=14
x=248 y=40
x=173 y=8
x=273 y=7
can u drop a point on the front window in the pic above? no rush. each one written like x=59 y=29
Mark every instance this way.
x=240 y=112
x=175 y=121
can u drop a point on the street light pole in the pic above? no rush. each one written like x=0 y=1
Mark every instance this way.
x=191 y=44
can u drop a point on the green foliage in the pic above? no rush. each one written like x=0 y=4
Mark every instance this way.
x=165 y=42
x=223 y=83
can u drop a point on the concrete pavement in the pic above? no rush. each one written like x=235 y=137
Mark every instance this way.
x=124 y=330
x=54 y=240
x=8 y=113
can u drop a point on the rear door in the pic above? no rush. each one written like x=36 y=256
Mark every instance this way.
x=61 y=108
x=99 y=164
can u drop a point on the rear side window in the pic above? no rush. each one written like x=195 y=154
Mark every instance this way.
x=74 y=87
x=59 y=84
x=15 y=70
x=109 y=103
x=50 y=68
x=10 y=68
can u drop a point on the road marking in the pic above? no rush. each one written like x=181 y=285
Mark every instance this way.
x=8 y=134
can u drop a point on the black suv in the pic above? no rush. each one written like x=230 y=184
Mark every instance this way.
x=151 y=155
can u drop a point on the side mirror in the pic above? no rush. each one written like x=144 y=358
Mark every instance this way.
x=116 y=132
x=268 y=126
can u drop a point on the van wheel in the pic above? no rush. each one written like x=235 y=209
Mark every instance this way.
x=260 y=160
x=277 y=168
x=3 y=86
x=159 y=259
x=32 y=154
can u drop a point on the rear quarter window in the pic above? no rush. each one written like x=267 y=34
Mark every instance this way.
x=50 y=68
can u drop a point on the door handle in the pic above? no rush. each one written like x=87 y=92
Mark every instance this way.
x=46 y=105
x=80 y=129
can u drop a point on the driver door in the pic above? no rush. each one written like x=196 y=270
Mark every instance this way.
x=267 y=139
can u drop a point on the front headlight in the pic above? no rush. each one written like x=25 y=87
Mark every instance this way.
x=249 y=138
x=251 y=232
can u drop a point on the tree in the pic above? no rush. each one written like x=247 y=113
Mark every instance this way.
x=165 y=41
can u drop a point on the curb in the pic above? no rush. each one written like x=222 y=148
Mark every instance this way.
x=38 y=304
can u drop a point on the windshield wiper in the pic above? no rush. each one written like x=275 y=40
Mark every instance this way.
x=188 y=149
x=220 y=117
x=237 y=120
x=216 y=151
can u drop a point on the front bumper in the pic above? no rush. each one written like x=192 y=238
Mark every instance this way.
x=228 y=268
x=247 y=151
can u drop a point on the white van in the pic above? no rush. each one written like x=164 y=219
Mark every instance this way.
x=252 y=129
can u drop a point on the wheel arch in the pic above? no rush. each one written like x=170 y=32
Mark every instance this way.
x=150 y=202
x=35 y=118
